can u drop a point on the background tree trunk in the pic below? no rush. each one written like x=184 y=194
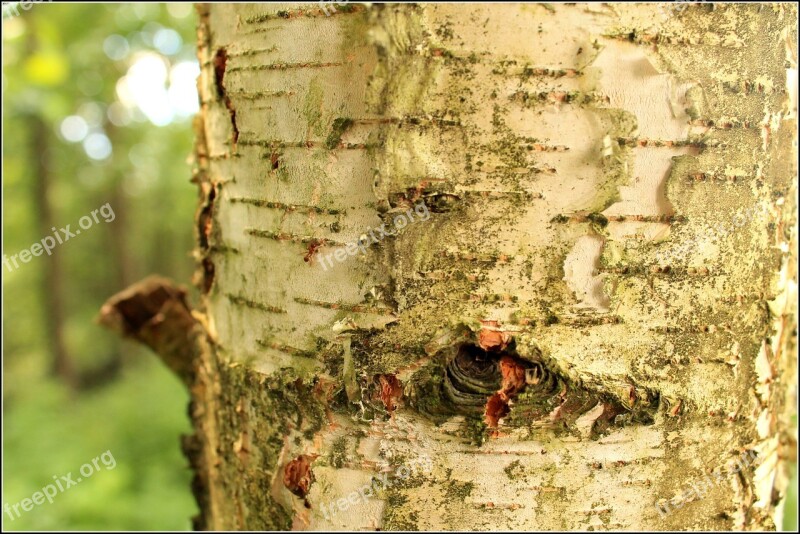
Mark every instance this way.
x=62 y=365
x=607 y=266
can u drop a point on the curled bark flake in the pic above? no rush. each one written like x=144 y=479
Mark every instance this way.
x=491 y=338
x=496 y=408
x=513 y=376
x=298 y=477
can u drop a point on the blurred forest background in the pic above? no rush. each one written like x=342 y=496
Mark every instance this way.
x=97 y=107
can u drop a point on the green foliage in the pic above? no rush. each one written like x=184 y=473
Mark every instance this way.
x=51 y=432
x=790 y=511
x=71 y=60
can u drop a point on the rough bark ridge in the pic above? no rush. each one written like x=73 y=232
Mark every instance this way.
x=595 y=313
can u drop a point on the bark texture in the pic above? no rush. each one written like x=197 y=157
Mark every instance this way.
x=596 y=313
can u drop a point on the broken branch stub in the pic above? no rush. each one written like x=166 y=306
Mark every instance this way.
x=154 y=311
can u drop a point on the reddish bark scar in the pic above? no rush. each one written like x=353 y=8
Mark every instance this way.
x=312 y=248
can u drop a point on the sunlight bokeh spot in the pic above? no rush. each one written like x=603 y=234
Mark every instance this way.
x=74 y=128
x=97 y=146
x=116 y=47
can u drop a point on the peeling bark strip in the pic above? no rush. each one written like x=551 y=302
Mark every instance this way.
x=527 y=338
x=155 y=312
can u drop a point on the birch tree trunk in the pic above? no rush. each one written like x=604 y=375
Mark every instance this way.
x=586 y=311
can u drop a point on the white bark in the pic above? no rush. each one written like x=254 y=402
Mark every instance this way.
x=614 y=188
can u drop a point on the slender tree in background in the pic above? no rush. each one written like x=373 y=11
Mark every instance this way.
x=61 y=365
x=489 y=267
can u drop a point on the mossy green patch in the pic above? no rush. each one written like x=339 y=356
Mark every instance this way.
x=340 y=125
